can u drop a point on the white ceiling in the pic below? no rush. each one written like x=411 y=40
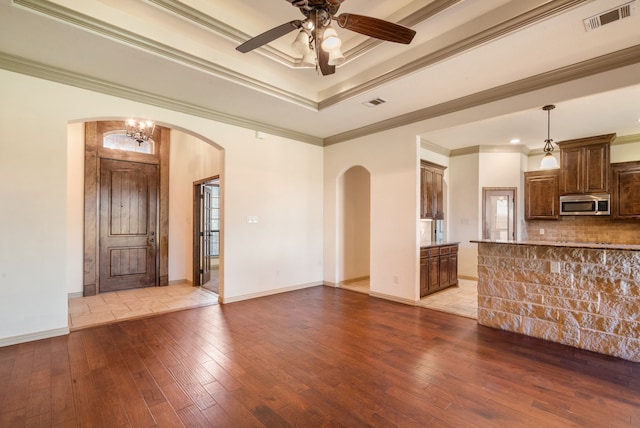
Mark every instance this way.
x=477 y=73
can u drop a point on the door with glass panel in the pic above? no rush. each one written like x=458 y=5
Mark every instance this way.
x=498 y=214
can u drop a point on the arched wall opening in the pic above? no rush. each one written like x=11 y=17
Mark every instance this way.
x=354 y=226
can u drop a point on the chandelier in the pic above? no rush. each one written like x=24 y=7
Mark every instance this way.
x=548 y=160
x=141 y=130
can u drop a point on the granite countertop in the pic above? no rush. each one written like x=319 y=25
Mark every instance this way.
x=438 y=244
x=593 y=245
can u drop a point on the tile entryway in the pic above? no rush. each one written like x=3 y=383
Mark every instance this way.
x=116 y=306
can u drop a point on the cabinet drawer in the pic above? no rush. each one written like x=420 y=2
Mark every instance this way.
x=445 y=250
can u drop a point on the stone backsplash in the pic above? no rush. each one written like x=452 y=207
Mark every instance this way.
x=583 y=229
x=582 y=297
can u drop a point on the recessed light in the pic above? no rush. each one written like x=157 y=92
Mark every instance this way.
x=515 y=141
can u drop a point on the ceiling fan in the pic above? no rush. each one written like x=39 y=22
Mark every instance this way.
x=318 y=42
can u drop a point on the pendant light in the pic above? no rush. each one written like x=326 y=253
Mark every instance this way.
x=548 y=160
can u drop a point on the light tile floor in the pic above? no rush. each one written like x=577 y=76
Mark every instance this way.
x=461 y=300
x=116 y=306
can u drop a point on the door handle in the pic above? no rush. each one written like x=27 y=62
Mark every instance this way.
x=152 y=240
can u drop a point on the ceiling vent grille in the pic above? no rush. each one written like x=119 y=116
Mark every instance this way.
x=374 y=102
x=624 y=11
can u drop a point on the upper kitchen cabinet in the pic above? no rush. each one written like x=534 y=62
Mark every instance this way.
x=584 y=165
x=541 y=199
x=625 y=190
x=431 y=190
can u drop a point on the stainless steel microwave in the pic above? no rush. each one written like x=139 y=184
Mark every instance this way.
x=596 y=204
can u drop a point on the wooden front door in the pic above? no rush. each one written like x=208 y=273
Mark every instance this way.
x=128 y=225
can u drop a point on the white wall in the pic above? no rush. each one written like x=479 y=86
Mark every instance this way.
x=33 y=217
x=464 y=216
x=277 y=179
x=75 y=207
x=625 y=152
x=191 y=159
x=392 y=160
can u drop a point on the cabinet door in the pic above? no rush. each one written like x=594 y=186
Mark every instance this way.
x=596 y=169
x=427 y=183
x=424 y=276
x=625 y=194
x=444 y=270
x=434 y=274
x=541 y=199
x=438 y=185
x=571 y=165
x=453 y=267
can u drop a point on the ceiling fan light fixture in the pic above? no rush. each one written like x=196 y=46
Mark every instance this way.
x=301 y=43
x=308 y=59
x=330 y=41
x=336 y=57
x=548 y=160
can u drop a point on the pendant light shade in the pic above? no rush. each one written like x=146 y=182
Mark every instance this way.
x=548 y=160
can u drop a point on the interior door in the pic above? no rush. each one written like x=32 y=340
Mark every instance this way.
x=205 y=234
x=128 y=225
x=499 y=214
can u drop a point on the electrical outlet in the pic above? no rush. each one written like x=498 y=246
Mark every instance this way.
x=541 y=231
x=395 y=279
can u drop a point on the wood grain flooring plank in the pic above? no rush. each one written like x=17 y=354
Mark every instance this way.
x=166 y=416
x=313 y=357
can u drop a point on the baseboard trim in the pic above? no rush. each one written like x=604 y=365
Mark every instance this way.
x=180 y=281
x=269 y=292
x=393 y=298
x=467 y=277
x=74 y=295
x=349 y=281
x=34 y=336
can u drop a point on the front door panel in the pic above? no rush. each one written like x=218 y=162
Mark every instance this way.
x=128 y=223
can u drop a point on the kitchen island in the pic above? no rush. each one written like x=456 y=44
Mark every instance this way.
x=585 y=295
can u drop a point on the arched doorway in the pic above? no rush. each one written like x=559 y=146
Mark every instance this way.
x=354 y=215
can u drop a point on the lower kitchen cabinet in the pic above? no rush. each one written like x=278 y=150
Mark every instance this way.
x=438 y=268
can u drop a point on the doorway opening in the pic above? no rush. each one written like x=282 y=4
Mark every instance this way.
x=498 y=213
x=355 y=230
x=206 y=234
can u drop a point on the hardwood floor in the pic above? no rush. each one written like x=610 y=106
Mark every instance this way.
x=310 y=358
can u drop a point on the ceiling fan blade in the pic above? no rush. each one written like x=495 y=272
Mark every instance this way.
x=374 y=27
x=269 y=36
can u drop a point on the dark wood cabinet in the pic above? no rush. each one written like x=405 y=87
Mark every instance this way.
x=584 y=165
x=438 y=268
x=541 y=198
x=625 y=190
x=431 y=190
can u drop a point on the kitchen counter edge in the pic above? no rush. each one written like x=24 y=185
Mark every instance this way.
x=591 y=245
x=442 y=244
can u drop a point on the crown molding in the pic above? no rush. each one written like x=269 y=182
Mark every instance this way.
x=432 y=147
x=42 y=71
x=543 y=12
x=99 y=27
x=626 y=139
x=590 y=67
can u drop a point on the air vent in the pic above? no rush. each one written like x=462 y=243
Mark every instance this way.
x=374 y=102
x=624 y=11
